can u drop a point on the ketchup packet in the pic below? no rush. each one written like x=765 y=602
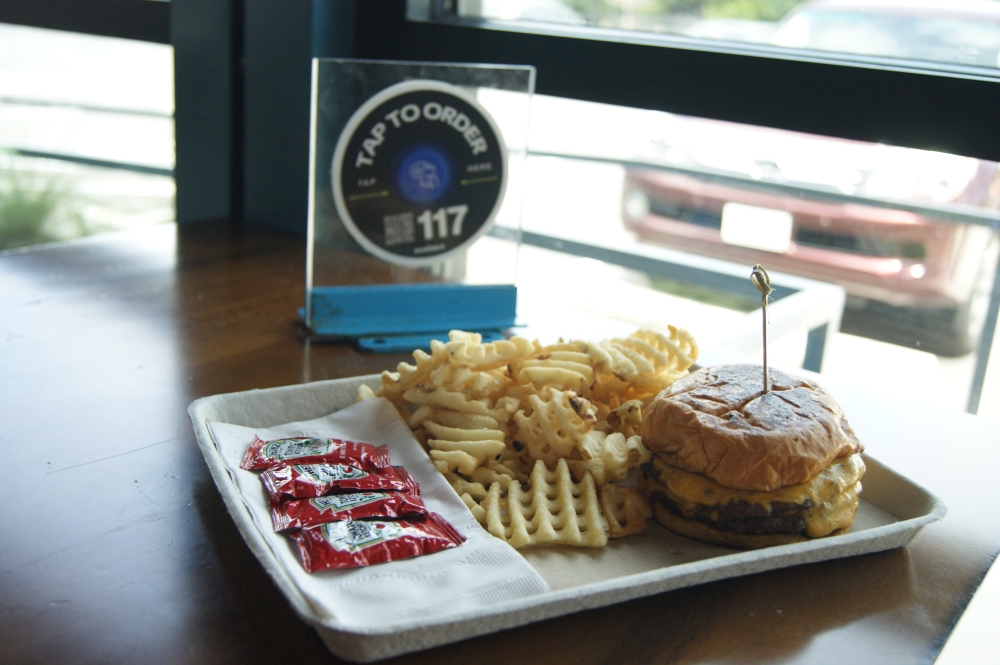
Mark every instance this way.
x=305 y=450
x=364 y=543
x=306 y=481
x=299 y=513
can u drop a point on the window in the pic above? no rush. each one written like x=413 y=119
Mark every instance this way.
x=954 y=33
x=856 y=155
x=86 y=134
x=701 y=113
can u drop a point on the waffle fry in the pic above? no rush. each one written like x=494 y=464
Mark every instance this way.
x=394 y=384
x=609 y=389
x=477 y=511
x=416 y=419
x=553 y=424
x=455 y=419
x=632 y=360
x=494 y=418
x=464 y=337
x=464 y=420
x=608 y=457
x=477 y=384
x=431 y=395
x=468 y=351
x=553 y=511
x=643 y=353
x=481 y=450
x=625 y=510
x=679 y=345
x=454 y=460
x=512 y=460
x=462 y=486
x=625 y=419
x=444 y=433
x=478 y=444
x=562 y=366
x=493 y=472
x=365 y=392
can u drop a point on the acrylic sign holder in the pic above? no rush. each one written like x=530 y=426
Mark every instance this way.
x=411 y=164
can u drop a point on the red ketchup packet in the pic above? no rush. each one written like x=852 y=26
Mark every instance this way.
x=364 y=543
x=300 y=513
x=306 y=450
x=307 y=481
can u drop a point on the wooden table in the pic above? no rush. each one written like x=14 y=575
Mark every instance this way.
x=116 y=546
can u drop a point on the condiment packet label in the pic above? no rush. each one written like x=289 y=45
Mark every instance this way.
x=301 y=513
x=354 y=543
x=304 y=450
x=306 y=481
x=328 y=473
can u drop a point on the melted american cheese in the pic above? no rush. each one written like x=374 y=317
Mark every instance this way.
x=833 y=491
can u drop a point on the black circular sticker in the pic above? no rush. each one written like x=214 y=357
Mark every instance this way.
x=419 y=172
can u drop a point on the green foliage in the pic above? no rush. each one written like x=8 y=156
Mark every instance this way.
x=674 y=7
x=605 y=11
x=26 y=205
x=759 y=10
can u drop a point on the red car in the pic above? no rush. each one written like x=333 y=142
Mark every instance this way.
x=915 y=279
x=911 y=278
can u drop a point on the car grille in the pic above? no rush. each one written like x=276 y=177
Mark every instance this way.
x=706 y=218
x=864 y=245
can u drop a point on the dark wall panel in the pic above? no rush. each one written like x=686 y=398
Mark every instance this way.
x=145 y=20
x=206 y=108
x=276 y=107
x=281 y=37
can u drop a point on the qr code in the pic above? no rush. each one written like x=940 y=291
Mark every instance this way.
x=399 y=229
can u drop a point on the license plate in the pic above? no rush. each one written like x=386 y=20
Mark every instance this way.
x=758 y=228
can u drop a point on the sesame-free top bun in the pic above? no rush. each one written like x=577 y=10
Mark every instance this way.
x=719 y=422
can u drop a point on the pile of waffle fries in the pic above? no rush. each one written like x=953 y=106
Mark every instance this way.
x=535 y=439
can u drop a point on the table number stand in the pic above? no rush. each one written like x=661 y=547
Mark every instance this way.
x=411 y=163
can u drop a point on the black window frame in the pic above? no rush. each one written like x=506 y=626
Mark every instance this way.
x=904 y=103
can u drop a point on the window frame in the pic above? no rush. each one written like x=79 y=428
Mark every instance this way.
x=867 y=99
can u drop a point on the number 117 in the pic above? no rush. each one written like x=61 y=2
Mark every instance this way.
x=428 y=219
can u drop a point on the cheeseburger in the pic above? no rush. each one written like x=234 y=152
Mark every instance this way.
x=739 y=467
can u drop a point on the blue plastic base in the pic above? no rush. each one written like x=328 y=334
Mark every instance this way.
x=402 y=317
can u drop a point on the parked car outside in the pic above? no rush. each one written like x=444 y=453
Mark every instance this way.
x=910 y=277
x=921 y=280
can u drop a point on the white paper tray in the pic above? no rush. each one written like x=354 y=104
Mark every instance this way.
x=892 y=511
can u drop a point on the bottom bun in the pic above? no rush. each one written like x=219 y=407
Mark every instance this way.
x=705 y=533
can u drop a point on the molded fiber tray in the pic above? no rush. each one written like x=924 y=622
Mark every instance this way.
x=892 y=511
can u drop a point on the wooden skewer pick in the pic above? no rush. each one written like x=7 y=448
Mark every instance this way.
x=761 y=280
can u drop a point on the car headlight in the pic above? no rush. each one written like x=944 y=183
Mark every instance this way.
x=636 y=204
